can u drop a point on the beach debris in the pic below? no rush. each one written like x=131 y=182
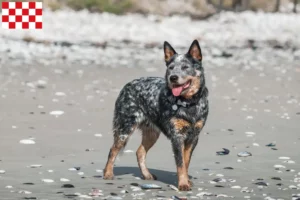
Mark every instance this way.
x=115 y=198
x=223 y=195
x=28 y=183
x=230 y=168
x=91 y=149
x=255 y=144
x=96 y=192
x=220 y=186
x=204 y=194
x=27 y=141
x=219 y=180
x=64 y=180
x=284 y=158
x=24 y=192
x=124 y=192
x=289 y=161
x=30 y=198
x=297 y=180
x=83 y=196
x=246 y=190
x=244 y=154
x=80 y=173
x=272 y=144
x=57 y=112
x=150 y=186
x=135 y=188
x=224 y=152
x=279 y=166
x=41 y=84
x=134 y=184
x=178 y=198
x=261 y=183
x=293 y=187
x=71 y=195
x=290 y=170
x=236 y=187
x=173 y=187
x=35 y=166
x=67 y=186
x=8 y=187
x=250 y=134
x=74 y=169
x=48 y=180
x=2 y=171
x=128 y=151
x=98 y=135
x=249 y=117
x=60 y=94
x=276 y=178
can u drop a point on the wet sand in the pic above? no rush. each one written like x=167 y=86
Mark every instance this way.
x=248 y=107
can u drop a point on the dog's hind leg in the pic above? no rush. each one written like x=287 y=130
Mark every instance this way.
x=120 y=141
x=149 y=138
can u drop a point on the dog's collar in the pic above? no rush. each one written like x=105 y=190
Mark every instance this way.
x=177 y=102
x=183 y=103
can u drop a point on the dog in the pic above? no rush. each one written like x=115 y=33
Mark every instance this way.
x=176 y=105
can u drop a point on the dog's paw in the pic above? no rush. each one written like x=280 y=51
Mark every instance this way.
x=150 y=177
x=185 y=187
x=191 y=183
x=108 y=176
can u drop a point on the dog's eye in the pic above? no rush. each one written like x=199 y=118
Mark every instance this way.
x=185 y=67
x=172 y=67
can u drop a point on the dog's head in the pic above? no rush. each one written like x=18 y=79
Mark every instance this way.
x=184 y=74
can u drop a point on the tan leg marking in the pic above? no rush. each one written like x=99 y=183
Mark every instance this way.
x=183 y=179
x=148 y=140
x=199 y=124
x=187 y=158
x=113 y=153
x=180 y=124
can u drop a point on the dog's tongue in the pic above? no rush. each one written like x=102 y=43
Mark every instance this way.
x=177 y=91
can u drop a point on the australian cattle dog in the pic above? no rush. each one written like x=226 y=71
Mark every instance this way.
x=175 y=105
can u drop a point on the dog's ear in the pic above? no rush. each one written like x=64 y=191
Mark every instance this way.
x=169 y=51
x=195 y=51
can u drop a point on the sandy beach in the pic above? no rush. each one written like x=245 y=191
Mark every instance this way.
x=63 y=108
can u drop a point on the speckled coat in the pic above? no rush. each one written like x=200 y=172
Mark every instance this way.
x=149 y=104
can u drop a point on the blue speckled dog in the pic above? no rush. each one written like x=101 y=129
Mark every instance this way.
x=176 y=105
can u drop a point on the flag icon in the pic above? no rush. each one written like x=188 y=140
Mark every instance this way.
x=22 y=15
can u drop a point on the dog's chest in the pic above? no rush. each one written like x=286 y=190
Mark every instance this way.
x=187 y=120
x=192 y=117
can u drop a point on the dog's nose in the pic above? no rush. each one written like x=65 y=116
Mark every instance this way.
x=173 y=78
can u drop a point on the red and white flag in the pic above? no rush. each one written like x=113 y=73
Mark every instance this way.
x=22 y=15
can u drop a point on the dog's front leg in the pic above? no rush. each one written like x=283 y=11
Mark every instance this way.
x=178 y=149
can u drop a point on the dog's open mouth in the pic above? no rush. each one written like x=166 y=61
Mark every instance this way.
x=177 y=89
